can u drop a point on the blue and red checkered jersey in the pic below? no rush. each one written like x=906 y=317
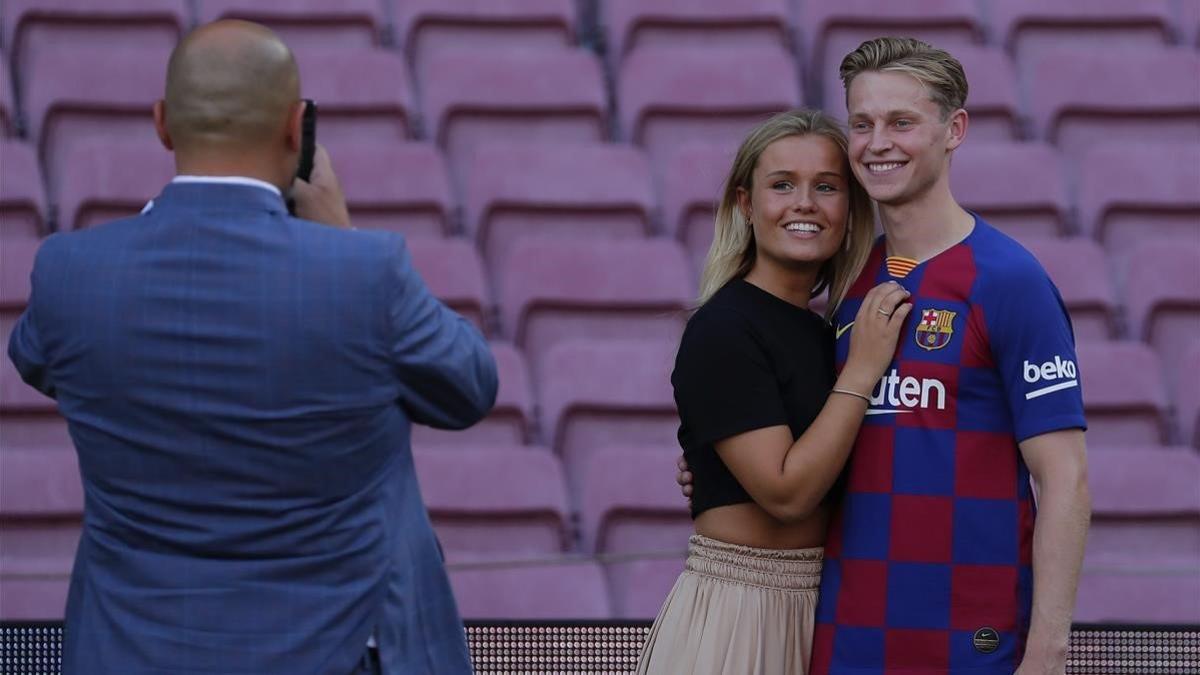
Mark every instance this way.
x=928 y=561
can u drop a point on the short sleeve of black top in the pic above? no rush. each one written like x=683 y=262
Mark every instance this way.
x=747 y=360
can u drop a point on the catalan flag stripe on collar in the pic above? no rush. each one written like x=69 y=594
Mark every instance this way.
x=899 y=266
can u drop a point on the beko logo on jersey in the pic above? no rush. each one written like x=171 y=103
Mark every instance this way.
x=1060 y=371
x=904 y=394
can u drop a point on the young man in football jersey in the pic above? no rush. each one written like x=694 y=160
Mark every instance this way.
x=935 y=561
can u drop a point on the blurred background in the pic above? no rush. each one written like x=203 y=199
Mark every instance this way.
x=554 y=164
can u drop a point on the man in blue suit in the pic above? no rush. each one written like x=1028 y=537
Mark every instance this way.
x=239 y=385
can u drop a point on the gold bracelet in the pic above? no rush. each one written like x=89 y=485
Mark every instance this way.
x=850 y=393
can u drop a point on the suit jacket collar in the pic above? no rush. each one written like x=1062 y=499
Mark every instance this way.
x=218 y=197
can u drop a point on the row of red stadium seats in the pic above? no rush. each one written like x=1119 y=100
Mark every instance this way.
x=558 y=282
x=662 y=96
x=504 y=518
x=820 y=31
x=579 y=394
x=1121 y=194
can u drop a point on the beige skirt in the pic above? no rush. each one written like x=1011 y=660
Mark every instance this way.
x=736 y=610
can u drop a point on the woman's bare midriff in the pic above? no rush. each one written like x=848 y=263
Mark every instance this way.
x=749 y=525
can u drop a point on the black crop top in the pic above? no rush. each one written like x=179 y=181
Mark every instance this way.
x=747 y=360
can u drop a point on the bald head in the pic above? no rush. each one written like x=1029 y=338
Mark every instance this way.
x=230 y=84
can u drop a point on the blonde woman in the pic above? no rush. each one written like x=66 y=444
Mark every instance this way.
x=764 y=425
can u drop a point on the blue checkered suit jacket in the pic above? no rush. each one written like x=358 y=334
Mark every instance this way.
x=239 y=385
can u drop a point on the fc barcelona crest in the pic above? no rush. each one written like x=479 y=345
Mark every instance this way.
x=935 y=328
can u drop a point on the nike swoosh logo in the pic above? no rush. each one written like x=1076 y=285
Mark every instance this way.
x=841 y=330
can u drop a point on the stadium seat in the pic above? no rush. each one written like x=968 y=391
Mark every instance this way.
x=1123 y=596
x=1018 y=187
x=1187 y=396
x=17 y=258
x=1189 y=24
x=632 y=511
x=107 y=179
x=41 y=505
x=552 y=290
x=495 y=501
x=22 y=198
x=568 y=190
x=516 y=95
x=8 y=106
x=375 y=105
x=34 y=29
x=691 y=191
x=93 y=94
x=454 y=273
x=1080 y=270
x=565 y=590
x=1132 y=191
x=992 y=99
x=1145 y=95
x=28 y=420
x=595 y=393
x=426 y=26
x=306 y=23
x=398 y=186
x=1026 y=27
x=1123 y=393
x=833 y=29
x=668 y=96
x=1161 y=287
x=631 y=24
x=510 y=420
x=1144 y=541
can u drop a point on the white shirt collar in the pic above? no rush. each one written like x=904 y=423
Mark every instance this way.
x=220 y=180
x=228 y=180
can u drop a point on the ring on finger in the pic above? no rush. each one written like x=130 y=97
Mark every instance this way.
x=885 y=313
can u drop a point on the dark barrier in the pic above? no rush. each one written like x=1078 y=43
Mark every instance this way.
x=611 y=648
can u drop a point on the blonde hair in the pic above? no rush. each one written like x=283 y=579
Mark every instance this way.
x=733 y=249
x=940 y=72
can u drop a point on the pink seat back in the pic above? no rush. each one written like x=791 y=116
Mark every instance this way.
x=495 y=502
x=425 y=27
x=1123 y=393
x=105 y=179
x=692 y=183
x=1145 y=95
x=510 y=421
x=527 y=591
x=1080 y=270
x=670 y=96
x=78 y=94
x=1133 y=191
x=578 y=191
x=22 y=197
x=41 y=504
x=632 y=24
x=375 y=105
x=1162 y=297
x=398 y=186
x=535 y=95
x=1018 y=187
x=554 y=290
x=34 y=29
x=306 y=23
x=601 y=392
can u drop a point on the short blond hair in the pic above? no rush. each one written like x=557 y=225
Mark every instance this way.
x=940 y=72
x=734 y=250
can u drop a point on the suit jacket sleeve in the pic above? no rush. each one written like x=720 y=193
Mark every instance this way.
x=25 y=348
x=446 y=371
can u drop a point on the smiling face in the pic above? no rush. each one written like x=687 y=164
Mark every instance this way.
x=900 y=143
x=798 y=201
